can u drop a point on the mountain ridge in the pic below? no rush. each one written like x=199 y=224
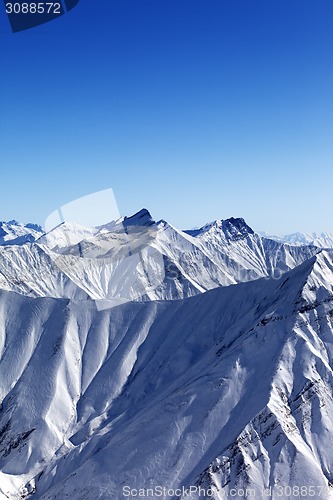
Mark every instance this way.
x=137 y=258
x=233 y=227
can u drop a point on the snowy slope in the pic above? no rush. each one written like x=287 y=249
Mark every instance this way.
x=65 y=235
x=228 y=389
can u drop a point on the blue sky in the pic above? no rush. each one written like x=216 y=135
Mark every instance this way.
x=194 y=109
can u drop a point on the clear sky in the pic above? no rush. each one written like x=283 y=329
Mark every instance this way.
x=194 y=109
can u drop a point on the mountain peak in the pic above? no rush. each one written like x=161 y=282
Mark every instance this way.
x=34 y=227
x=13 y=223
x=234 y=228
x=141 y=218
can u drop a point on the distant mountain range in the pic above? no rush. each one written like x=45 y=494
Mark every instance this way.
x=321 y=240
x=136 y=356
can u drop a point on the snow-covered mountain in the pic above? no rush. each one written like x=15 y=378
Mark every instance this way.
x=321 y=240
x=217 y=374
x=14 y=233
